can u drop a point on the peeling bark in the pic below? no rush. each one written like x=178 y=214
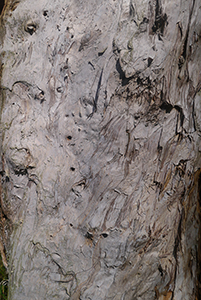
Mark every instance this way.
x=100 y=149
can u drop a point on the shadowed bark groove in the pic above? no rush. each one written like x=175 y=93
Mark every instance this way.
x=198 y=254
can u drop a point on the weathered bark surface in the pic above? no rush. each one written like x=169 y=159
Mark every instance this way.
x=101 y=125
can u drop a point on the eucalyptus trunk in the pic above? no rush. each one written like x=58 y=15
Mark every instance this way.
x=100 y=149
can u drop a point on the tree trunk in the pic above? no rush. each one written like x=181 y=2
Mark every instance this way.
x=100 y=153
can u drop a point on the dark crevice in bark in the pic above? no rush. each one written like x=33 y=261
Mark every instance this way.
x=198 y=288
x=166 y=106
x=149 y=61
x=3 y=214
x=180 y=29
x=2 y=3
x=95 y=101
x=185 y=45
x=177 y=244
x=131 y=10
x=193 y=115
x=181 y=114
x=199 y=190
x=89 y=235
x=160 y=269
x=160 y=19
x=97 y=92
x=183 y=55
x=122 y=76
x=19 y=172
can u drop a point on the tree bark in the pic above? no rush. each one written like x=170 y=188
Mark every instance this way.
x=100 y=152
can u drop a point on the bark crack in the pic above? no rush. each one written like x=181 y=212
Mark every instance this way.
x=177 y=244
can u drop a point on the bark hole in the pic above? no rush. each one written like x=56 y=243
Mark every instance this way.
x=167 y=107
x=45 y=13
x=104 y=234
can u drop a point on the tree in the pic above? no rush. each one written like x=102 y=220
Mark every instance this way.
x=100 y=122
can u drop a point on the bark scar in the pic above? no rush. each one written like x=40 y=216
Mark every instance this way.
x=97 y=95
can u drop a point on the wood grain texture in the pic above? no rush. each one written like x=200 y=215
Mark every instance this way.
x=100 y=152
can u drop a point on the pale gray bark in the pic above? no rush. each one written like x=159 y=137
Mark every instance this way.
x=101 y=124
